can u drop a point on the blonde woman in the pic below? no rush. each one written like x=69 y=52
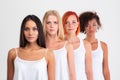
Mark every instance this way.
x=63 y=51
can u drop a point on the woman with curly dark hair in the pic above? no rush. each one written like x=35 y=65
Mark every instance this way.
x=90 y=23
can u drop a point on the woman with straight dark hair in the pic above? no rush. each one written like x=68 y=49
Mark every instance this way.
x=31 y=61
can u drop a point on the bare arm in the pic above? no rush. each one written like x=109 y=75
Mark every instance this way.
x=106 y=72
x=10 y=64
x=71 y=66
x=51 y=65
x=88 y=61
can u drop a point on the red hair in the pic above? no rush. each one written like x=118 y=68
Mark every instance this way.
x=64 y=18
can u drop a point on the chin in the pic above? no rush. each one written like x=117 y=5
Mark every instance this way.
x=31 y=41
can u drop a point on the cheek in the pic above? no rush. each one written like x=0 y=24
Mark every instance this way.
x=56 y=27
x=66 y=28
x=37 y=33
x=76 y=27
x=25 y=33
x=47 y=28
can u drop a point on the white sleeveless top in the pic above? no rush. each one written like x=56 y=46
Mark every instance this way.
x=30 y=70
x=79 y=60
x=61 y=64
x=97 y=61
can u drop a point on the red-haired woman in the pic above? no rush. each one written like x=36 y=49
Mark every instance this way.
x=82 y=48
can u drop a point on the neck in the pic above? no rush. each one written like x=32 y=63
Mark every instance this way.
x=71 y=38
x=91 y=39
x=51 y=38
x=51 y=41
x=32 y=46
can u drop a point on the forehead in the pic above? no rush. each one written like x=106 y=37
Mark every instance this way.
x=72 y=17
x=52 y=17
x=30 y=23
x=92 y=20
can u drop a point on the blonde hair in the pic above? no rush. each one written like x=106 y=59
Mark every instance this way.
x=60 y=32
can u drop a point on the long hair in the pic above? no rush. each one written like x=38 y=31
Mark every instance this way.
x=64 y=18
x=41 y=38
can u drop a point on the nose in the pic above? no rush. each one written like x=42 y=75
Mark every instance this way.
x=30 y=32
x=69 y=24
x=90 y=27
x=51 y=25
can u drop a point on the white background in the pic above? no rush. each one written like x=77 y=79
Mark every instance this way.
x=12 y=13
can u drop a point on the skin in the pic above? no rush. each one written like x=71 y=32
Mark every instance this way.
x=90 y=36
x=54 y=43
x=70 y=28
x=31 y=52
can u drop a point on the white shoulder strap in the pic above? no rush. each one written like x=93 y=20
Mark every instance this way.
x=99 y=43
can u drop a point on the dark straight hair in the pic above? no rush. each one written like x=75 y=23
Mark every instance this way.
x=41 y=38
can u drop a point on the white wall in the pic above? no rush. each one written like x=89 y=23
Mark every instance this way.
x=12 y=13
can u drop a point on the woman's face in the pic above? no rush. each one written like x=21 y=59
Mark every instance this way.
x=71 y=24
x=51 y=25
x=31 y=31
x=91 y=27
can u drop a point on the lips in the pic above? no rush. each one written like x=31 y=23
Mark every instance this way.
x=51 y=29
x=30 y=37
x=91 y=31
x=70 y=29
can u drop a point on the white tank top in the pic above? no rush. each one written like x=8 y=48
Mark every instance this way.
x=61 y=64
x=79 y=59
x=97 y=61
x=30 y=70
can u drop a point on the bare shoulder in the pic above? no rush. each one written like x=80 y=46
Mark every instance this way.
x=69 y=48
x=11 y=53
x=50 y=53
x=88 y=47
x=103 y=45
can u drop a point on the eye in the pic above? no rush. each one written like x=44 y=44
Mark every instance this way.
x=26 y=29
x=67 y=23
x=55 y=22
x=74 y=22
x=94 y=24
x=48 y=22
x=35 y=28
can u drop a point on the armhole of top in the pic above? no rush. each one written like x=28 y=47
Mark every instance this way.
x=16 y=52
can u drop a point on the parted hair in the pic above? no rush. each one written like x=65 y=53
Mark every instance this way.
x=41 y=39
